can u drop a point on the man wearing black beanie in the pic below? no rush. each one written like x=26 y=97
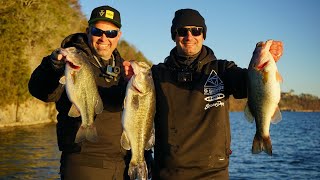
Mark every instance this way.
x=192 y=128
x=185 y=17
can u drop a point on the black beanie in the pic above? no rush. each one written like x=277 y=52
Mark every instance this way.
x=187 y=17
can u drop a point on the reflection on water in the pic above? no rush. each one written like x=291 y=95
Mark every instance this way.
x=29 y=152
x=295 y=148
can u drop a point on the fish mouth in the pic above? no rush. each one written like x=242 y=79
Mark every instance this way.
x=72 y=65
x=262 y=66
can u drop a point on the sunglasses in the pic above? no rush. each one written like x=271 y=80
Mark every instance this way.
x=195 y=31
x=109 y=33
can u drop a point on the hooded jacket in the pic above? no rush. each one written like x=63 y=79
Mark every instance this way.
x=192 y=118
x=44 y=85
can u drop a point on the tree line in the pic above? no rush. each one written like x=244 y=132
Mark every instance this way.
x=289 y=102
x=32 y=29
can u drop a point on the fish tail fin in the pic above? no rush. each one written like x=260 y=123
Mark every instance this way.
x=81 y=134
x=91 y=133
x=262 y=144
x=138 y=171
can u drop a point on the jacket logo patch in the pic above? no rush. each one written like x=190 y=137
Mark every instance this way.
x=101 y=13
x=213 y=89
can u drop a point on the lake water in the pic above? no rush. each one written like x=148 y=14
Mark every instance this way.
x=31 y=152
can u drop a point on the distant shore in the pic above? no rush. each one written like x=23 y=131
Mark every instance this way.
x=16 y=124
x=36 y=112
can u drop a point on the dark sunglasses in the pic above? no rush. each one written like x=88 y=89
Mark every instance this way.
x=195 y=31
x=109 y=33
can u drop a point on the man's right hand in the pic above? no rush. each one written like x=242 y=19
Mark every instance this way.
x=58 y=58
x=58 y=54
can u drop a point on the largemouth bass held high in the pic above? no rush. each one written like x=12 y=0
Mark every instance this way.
x=137 y=119
x=263 y=95
x=82 y=91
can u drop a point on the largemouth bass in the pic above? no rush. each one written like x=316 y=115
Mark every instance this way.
x=137 y=119
x=82 y=91
x=263 y=96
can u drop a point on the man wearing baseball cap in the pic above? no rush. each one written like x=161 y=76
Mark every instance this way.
x=102 y=159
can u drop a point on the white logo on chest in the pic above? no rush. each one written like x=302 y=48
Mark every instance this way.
x=213 y=89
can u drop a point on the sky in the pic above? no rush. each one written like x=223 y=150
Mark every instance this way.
x=233 y=29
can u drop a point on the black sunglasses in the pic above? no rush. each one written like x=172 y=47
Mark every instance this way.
x=195 y=31
x=109 y=33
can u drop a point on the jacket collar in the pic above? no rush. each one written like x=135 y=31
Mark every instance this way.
x=175 y=61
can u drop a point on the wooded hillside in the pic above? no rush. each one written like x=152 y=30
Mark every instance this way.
x=32 y=29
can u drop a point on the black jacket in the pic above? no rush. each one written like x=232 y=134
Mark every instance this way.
x=192 y=118
x=44 y=85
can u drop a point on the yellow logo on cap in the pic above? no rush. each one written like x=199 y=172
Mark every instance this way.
x=109 y=14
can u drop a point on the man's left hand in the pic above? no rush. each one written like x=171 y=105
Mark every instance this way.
x=276 y=49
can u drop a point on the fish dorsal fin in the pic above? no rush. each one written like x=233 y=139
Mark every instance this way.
x=247 y=113
x=124 y=141
x=99 y=106
x=74 y=112
x=62 y=80
x=277 y=117
x=151 y=141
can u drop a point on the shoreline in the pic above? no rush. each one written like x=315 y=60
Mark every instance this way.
x=17 y=124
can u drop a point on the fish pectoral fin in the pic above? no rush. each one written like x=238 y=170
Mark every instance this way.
x=277 y=117
x=62 y=80
x=124 y=141
x=265 y=76
x=279 y=77
x=74 y=112
x=151 y=141
x=99 y=106
x=247 y=113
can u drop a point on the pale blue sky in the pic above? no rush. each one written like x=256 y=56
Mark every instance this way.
x=234 y=27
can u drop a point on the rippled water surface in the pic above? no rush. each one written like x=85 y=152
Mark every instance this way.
x=296 y=148
x=31 y=152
